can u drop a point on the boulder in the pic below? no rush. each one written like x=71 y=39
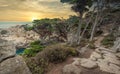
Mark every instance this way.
x=94 y=56
x=103 y=64
x=71 y=69
x=110 y=57
x=7 y=49
x=114 y=68
x=15 y=65
x=76 y=61
x=108 y=67
x=87 y=63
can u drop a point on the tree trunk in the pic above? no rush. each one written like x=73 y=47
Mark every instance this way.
x=96 y=21
x=78 y=32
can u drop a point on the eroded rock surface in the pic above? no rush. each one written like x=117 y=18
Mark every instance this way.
x=7 y=49
x=15 y=65
x=71 y=69
x=9 y=62
x=105 y=59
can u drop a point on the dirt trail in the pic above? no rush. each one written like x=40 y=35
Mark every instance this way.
x=99 y=39
x=57 y=68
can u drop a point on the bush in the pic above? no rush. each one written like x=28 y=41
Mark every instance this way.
x=35 y=67
x=57 y=53
x=51 y=54
x=35 y=43
x=108 y=41
x=4 y=32
x=34 y=48
x=28 y=28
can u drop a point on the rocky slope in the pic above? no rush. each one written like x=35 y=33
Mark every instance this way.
x=101 y=60
x=10 y=63
x=20 y=36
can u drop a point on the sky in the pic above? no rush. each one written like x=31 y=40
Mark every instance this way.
x=28 y=10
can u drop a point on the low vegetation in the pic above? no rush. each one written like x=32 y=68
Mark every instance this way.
x=34 y=48
x=51 y=54
x=108 y=41
x=4 y=32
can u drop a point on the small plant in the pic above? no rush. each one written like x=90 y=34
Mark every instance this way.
x=34 y=48
x=36 y=67
x=35 y=43
x=4 y=32
x=91 y=45
x=108 y=41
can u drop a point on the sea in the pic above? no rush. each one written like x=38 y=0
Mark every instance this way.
x=10 y=24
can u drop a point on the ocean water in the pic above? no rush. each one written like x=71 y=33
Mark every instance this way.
x=10 y=24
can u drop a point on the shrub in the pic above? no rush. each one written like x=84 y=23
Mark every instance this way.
x=28 y=28
x=4 y=32
x=35 y=42
x=35 y=67
x=108 y=41
x=34 y=48
x=57 y=53
x=51 y=54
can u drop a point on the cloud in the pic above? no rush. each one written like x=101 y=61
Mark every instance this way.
x=42 y=8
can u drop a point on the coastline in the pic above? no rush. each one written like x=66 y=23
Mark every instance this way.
x=9 y=24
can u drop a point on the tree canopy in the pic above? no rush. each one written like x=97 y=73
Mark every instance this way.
x=79 y=6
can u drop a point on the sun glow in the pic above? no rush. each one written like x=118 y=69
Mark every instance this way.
x=34 y=18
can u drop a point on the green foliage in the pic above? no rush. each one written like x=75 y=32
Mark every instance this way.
x=73 y=20
x=51 y=54
x=34 y=48
x=35 y=43
x=45 y=20
x=58 y=53
x=36 y=67
x=29 y=28
x=4 y=32
x=79 y=6
x=108 y=41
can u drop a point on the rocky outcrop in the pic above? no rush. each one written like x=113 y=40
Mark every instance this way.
x=9 y=62
x=15 y=65
x=7 y=49
x=72 y=68
x=107 y=60
x=20 y=36
x=87 y=63
x=116 y=46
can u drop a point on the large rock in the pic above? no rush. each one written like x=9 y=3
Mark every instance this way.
x=87 y=63
x=71 y=69
x=7 y=49
x=108 y=67
x=94 y=56
x=15 y=65
x=103 y=64
x=111 y=58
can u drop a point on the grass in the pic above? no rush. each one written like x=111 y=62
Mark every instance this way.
x=34 y=48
